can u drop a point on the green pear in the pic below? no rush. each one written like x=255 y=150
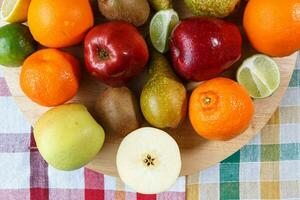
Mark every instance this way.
x=68 y=137
x=212 y=8
x=163 y=98
x=161 y=4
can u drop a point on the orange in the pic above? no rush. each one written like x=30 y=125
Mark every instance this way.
x=59 y=23
x=50 y=77
x=273 y=26
x=220 y=109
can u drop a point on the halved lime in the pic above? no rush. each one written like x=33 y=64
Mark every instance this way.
x=14 y=10
x=161 y=27
x=260 y=75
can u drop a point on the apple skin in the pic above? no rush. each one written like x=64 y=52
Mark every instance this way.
x=68 y=137
x=115 y=52
x=201 y=48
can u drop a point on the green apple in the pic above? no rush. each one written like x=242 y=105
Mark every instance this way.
x=68 y=137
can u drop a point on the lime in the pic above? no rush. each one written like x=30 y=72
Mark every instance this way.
x=14 y=10
x=161 y=27
x=260 y=75
x=16 y=43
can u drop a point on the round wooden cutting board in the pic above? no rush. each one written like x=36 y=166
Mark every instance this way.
x=196 y=152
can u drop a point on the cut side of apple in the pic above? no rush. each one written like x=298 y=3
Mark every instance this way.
x=148 y=160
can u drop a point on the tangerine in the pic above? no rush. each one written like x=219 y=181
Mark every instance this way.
x=220 y=109
x=57 y=23
x=272 y=26
x=50 y=77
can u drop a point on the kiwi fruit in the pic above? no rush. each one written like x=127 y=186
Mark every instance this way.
x=132 y=11
x=212 y=8
x=118 y=111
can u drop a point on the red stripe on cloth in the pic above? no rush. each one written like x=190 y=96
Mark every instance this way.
x=145 y=196
x=12 y=143
x=38 y=171
x=171 y=195
x=93 y=194
x=38 y=174
x=130 y=195
x=93 y=180
x=14 y=194
x=32 y=141
x=4 y=91
x=94 y=185
x=65 y=194
x=39 y=194
x=111 y=194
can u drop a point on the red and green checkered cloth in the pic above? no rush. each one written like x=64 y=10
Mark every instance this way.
x=266 y=168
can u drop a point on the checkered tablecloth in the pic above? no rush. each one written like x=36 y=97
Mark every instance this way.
x=266 y=168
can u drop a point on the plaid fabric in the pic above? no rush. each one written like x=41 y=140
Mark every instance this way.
x=25 y=175
x=267 y=168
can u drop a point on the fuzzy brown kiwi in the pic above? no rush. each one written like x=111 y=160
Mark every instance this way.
x=132 y=11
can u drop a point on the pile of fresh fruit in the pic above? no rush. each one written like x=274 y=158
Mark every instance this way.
x=176 y=52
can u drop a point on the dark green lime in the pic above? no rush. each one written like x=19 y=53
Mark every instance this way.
x=16 y=43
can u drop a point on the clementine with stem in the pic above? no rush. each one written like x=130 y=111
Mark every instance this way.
x=220 y=109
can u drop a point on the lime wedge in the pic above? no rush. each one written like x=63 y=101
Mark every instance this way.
x=14 y=10
x=260 y=75
x=161 y=27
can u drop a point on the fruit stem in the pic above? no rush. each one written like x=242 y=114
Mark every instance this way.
x=103 y=54
x=207 y=100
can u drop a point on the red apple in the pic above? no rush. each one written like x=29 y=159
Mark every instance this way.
x=201 y=48
x=115 y=52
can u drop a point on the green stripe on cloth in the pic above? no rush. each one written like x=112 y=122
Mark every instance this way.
x=229 y=177
x=229 y=190
x=250 y=153
x=295 y=80
x=290 y=152
x=270 y=152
